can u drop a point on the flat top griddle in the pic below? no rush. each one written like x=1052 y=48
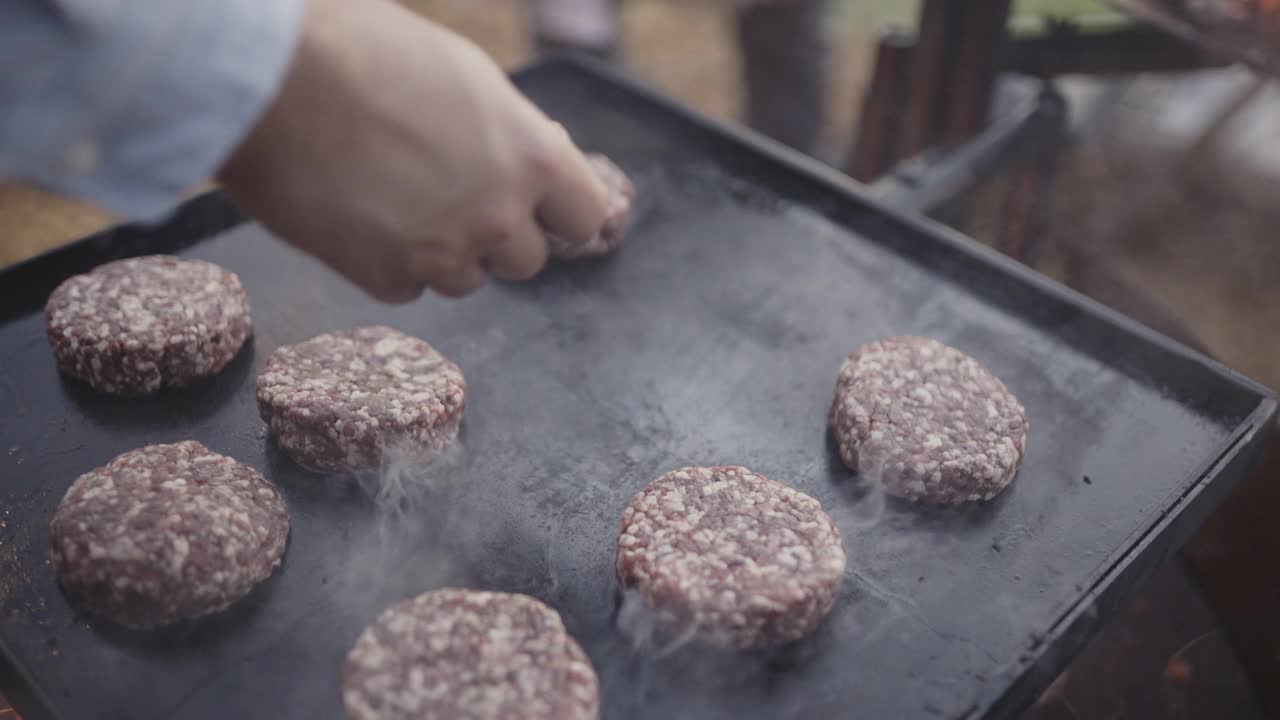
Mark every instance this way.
x=713 y=337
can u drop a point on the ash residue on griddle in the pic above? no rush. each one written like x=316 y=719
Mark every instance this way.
x=19 y=596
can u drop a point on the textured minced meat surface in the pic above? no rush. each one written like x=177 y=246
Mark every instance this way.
x=133 y=327
x=622 y=195
x=927 y=421
x=344 y=401
x=457 y=654
x=732 y=558
x=167 y=533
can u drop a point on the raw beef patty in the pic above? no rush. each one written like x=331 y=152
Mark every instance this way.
x=344 y=401
x=167 y=533
x=133 y=327
x=737 y=560
x=469 y=655
x=927 y=421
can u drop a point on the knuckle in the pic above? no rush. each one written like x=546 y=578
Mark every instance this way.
x=473 y=284
x=449 y=290
x=544 y=157
x=528 y=265
x=460 y=283
x=529 y=245
x=533 y=270
x=398 y=282
x=494 y=227
x=396 y=294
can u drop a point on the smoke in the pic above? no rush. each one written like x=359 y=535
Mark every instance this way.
x=406 y=479
x=655 y=664
x=643 y=629
x=863 y=503
x=426 y=529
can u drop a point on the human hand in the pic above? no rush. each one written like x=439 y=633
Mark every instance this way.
x=400 y=155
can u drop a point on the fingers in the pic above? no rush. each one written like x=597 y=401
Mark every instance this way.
x=512 y=250
x=393 y=294
x=509 y=245
x=519 y=253
x=448 y=276
x=385 y=281
x=373 y=272
x=456 y=282
x=576 y=201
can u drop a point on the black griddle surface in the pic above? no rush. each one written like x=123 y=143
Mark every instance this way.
x=713 y=337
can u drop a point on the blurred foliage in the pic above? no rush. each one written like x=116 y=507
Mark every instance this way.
x=875 y=13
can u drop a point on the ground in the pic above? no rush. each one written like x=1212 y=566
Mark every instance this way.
x=1194 y=231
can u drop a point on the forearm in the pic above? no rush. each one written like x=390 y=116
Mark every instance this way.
x=128 y=104
x=399 y=153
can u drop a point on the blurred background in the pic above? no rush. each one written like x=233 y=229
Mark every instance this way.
x=685 y=48
x=1136 y=162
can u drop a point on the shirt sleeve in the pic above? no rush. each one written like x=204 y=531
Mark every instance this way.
x=128 y=104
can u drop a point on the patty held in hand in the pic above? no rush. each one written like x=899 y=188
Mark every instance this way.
x=136 y=326
x=622 y=194
x=166 y=533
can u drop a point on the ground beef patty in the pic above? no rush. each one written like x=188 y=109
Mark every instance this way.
x=167 y=533
x=135 y=326
x=341 y=402
x=462 y=654
x=929 y=421
x=736 y=560
x=622 y=195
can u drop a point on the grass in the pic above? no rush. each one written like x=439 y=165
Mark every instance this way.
x=876 y=13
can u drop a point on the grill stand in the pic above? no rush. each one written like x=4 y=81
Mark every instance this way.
x=925 y=141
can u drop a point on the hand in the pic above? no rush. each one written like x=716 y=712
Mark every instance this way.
x=399 y=154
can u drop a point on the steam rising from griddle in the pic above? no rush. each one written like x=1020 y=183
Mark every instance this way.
x=406 y=479
x=433 y=527
x=639 y=625
x=425 y=524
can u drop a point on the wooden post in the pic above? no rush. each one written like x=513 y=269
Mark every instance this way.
x=980 y=29
x=928 y=66
x=874 y=149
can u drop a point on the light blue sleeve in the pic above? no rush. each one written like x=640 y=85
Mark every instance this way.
x=128 y=104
